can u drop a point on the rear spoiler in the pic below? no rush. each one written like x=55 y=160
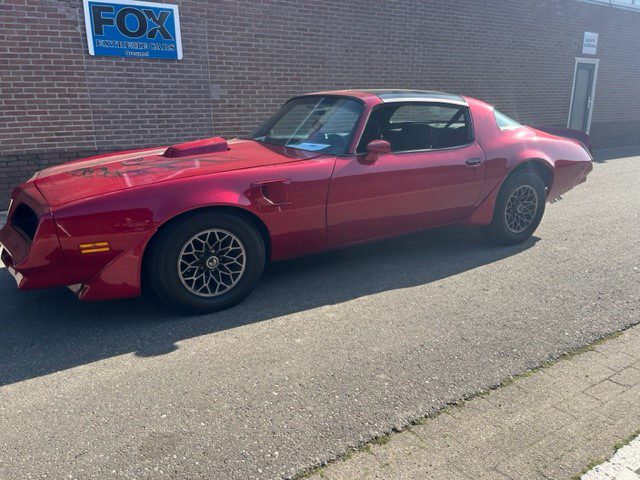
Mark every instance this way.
x=578 y=135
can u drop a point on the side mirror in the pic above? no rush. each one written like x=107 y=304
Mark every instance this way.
x=375 y=148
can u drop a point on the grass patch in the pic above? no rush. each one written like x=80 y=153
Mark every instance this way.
x=314 y=471
x=587 y=348
x=616 y=447
x=592 y=464
x=364 y=448
x=348 y=455
x=626 y=442
x=382 y=439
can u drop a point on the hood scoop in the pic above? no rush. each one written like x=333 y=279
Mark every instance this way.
x=197 y=147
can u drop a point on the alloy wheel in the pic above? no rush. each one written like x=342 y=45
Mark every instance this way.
x=521 y=208
x=211 y=262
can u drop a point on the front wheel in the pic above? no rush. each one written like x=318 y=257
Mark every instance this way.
x=518 y=210
x=205 y=262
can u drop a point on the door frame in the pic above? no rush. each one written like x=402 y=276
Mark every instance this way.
x=595 y=62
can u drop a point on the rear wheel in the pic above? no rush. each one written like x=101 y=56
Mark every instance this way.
x=205 y=262
x=518 y=210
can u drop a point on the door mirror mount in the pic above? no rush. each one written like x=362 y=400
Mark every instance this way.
x=375 y=148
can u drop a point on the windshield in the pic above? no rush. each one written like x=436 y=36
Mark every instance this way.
x=318 y=124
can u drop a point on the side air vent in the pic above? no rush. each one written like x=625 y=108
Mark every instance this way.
x=25 y=221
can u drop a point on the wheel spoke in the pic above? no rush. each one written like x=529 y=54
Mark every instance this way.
x=521 y=208
x=211 y=262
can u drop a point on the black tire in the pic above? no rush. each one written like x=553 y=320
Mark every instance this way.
x=167 y=282
x=499 y=231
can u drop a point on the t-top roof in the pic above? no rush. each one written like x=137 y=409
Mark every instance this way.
x=395 y=95
x=401 y=95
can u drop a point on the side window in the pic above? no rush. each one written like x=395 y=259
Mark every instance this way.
x=418 y=126
x=504 y=122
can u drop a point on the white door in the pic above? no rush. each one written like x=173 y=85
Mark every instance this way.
x=584 y=85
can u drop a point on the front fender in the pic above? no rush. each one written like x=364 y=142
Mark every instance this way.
x=295 y=220
x=128 y=220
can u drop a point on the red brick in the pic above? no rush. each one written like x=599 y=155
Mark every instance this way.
x=56 y=99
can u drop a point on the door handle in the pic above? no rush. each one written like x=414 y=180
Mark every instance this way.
x=473 y=162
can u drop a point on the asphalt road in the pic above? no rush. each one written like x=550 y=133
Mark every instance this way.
x=330 y=351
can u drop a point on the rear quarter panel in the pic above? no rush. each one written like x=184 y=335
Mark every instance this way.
x=566 y=160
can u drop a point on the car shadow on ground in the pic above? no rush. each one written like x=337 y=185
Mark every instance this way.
x=46 y=331
x=604 y=155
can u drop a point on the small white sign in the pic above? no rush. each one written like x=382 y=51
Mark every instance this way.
x=590 y=43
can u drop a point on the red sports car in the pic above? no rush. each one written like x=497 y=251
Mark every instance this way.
x=198 y=221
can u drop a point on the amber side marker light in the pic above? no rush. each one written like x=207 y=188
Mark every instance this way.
x=95 y=247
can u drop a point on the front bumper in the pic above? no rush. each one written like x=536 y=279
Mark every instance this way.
x=40 y=257
x=34 y=262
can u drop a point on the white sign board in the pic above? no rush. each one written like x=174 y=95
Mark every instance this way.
x=590 y=43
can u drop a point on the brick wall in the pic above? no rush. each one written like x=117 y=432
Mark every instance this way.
x=242 y=59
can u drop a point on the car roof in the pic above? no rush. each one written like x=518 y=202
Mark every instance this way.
x=388 y=95
x=395 y=95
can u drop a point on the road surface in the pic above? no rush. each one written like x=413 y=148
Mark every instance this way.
x=330 y=350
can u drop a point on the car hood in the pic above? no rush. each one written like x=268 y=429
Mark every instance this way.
x=103 y=174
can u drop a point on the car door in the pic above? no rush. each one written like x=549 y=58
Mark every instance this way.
x=408 y=188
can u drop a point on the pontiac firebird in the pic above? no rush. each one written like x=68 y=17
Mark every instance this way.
x=198 y=221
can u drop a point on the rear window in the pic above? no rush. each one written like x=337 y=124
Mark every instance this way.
x=504 y=122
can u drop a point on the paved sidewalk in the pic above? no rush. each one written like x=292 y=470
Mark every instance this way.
x=553 y=423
